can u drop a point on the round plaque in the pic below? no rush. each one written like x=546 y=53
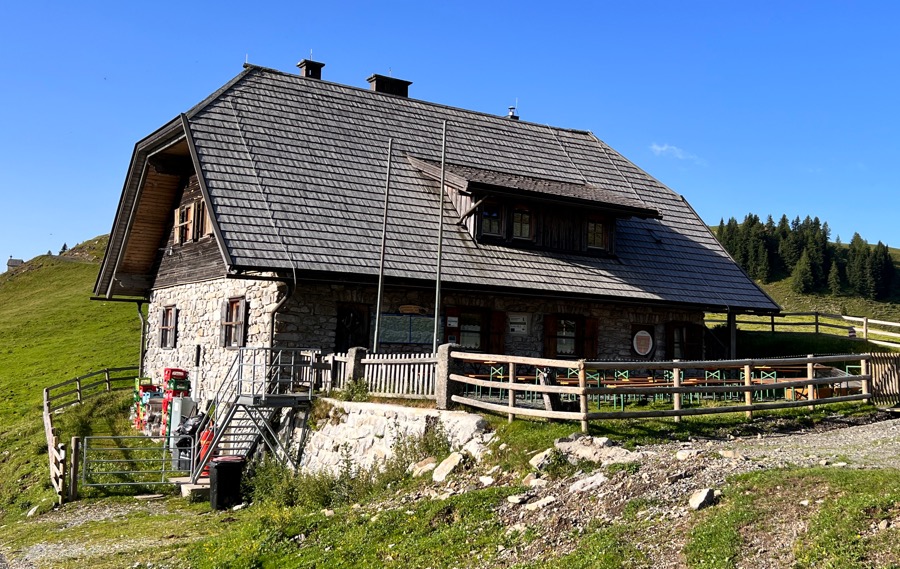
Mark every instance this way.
x=642 y=342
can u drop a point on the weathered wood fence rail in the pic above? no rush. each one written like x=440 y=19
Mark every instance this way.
x=74 y=392
x=879 y=332
x=732 y=385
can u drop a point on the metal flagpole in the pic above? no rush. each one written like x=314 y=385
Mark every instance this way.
x=387 y=188
x=437 y=286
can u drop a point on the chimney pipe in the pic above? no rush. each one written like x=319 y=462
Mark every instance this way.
x=311 y=69
x=389 y=85
x=512 y=114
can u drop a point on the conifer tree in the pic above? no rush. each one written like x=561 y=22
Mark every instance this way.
x=834 y=280
x=802 y=276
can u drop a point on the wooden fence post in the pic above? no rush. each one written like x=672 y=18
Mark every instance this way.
x=811 y=374
x=62 y=473
x=73 y=469
x=582 y=397
x=512 y=394
x=676 y=397
x=865 y=328
x=78 y=389
x=106 y=375
x=748 y=395
x=816 y=314
x=864 y=370
x=773 y=322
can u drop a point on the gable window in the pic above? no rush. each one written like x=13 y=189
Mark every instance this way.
x=202 y=224
x=168 y=327
x=184 y=223
x=597 y=237
x=492 y=220
x=234 y=316
x=522 y=223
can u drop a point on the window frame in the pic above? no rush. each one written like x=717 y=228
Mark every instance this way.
x=501 y=218
x=589 y=232
x=168 y=327
x=234 y=323
x=517 y=210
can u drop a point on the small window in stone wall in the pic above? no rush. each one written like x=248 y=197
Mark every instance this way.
x=234 y=323
x=168 y=327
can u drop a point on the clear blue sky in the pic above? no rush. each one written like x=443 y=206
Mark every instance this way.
x=764 y=106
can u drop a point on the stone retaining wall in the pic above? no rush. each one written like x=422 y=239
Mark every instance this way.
x=366 y=432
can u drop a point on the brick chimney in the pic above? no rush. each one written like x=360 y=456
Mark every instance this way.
x=311 y=69
x=389 y=85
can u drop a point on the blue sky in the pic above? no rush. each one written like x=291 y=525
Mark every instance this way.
x=765 y=106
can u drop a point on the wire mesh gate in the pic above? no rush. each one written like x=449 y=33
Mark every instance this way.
x=134 y=460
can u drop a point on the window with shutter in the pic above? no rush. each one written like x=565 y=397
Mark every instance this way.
x=234 y=313
x=168 y=327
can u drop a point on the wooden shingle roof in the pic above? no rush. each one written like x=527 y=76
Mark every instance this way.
x=295 y=173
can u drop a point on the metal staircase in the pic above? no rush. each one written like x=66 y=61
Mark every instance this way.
x=264 y=393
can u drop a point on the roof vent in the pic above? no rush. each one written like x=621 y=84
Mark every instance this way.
x=389 y=85
x=311 y=69
x=512 y=114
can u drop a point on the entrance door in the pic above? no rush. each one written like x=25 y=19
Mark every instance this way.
x=352 y=327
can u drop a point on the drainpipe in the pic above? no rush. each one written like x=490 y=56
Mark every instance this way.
x=140 y=312
x=291 y=285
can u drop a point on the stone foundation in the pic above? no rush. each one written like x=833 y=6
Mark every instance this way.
x=366 y=433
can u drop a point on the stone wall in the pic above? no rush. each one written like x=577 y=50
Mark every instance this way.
x=199 y=323
x=366 y=432
x=309 y=319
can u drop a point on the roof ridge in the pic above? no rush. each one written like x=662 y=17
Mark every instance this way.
x=501 y=118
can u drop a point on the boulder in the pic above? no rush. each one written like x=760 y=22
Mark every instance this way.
x=422 y=467
x=588 y=484
x=702 y=498
x=446 y=467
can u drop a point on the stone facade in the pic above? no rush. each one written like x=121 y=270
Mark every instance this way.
x=366 y=433
x=309 y=320
x=199 y=323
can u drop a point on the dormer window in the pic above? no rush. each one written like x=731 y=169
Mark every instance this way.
x=492 y=220
x=522 y=223
x=597 y=233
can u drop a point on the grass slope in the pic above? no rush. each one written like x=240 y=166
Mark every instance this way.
x=51 y=331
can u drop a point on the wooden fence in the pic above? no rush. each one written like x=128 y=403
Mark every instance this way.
x=73 y=392
x=398 y=376
x=879 y=332
x=732 y=385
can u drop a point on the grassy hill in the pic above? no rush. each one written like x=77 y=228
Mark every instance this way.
x=51 y=332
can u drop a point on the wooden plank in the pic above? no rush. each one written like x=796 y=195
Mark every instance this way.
x=717 y=410
x=503 y=409
x=517 y=386
x=501 y=358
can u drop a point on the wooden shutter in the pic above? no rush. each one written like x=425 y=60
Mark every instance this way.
x=162 y=321
x=550 y=335
x=241 y=328
x=174 y=327
x=224 y=319
x=176 y=237
x=591 y=333
x=497 y=331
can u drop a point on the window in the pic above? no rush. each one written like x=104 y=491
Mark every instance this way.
x=184 y=226
x=492 y=220
x=471 y=326
x=168 y=327
x=685 y=341
x=234 y=312
x=596 y=234
x=570 y=336
x=202 y=224
x=523 y=226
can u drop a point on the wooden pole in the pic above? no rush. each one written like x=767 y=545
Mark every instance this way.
x=811 y=374
x=106 y=376
x=676 y=397
x=816 y=314
x=864 y=370
x=748 y=395
x=512 y=393
x=73 y=469
x=582 y=383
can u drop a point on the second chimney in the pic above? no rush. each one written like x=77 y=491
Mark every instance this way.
x=311 y=69
x=389 y=85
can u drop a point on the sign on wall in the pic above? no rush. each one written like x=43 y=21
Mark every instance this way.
x=518 y=323
x=642 y=341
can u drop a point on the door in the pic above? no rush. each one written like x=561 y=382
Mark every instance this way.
x=352 y=327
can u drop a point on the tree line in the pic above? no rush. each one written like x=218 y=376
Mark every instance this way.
x=802 y=250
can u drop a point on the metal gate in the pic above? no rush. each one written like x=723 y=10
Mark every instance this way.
x=133 y=461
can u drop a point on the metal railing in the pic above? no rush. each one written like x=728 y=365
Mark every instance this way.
x=132 y=460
